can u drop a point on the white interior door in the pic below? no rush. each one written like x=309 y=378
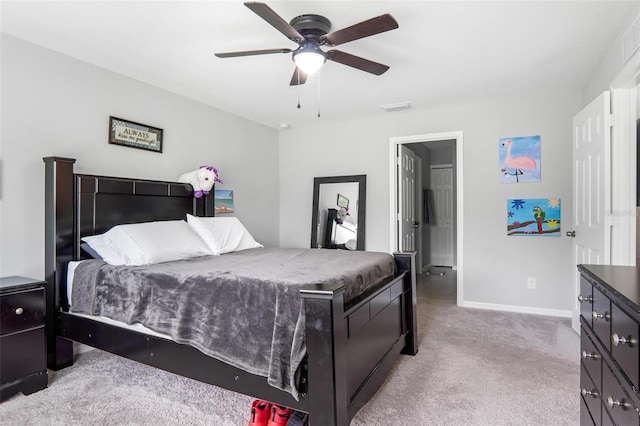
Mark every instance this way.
x=441 y=224
x=591 y=189
x=407 y=224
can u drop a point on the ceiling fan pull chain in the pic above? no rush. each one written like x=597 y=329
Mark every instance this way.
x=318 y=93
x=298 y=77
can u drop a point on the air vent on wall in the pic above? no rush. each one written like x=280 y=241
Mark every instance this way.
x=631 y=40
x=396 y=107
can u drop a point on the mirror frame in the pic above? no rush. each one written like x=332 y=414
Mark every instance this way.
x=361 y=180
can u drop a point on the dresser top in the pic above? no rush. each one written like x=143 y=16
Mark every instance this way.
x=624 y=281
x=10 y=283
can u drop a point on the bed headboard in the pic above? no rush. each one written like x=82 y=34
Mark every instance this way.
x=102 y=202
x=77 y=205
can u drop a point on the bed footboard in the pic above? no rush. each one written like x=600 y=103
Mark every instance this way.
x=351 y=352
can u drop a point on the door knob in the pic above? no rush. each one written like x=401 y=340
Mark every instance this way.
x=571 y=234
x=416 y=224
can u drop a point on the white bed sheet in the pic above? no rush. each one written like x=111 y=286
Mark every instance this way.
x=134 y=327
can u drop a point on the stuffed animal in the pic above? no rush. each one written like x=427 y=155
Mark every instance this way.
x=342 y=214
x=202 y=180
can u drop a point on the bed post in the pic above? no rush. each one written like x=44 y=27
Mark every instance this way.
x=326 y=336
x=205 y=206
x=406 y=261
x=58 y=213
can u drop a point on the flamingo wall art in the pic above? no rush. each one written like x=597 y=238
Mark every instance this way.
x=519 y=159
x=534 y=217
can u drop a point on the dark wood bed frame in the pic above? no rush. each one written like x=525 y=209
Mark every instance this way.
x=350 y=348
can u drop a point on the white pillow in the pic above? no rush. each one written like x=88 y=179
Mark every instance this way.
x=223 y=234
x=105 y=252
x=151 y=242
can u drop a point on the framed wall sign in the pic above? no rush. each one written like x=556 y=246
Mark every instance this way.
x=134 y=135
x=343 y=201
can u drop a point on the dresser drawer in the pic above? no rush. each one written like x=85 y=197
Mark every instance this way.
x=590 y=395
x=585 y=299
x=22 y=354
x=591 y=358
x=624 y=343
x=606 y=420
x=616 y=400
x=585 y=416
x=601 y=316
x=22 y=310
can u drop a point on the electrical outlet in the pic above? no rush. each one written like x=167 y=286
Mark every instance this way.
x=531 y=283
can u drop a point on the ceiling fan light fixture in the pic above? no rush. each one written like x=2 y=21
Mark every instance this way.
x=309 y=58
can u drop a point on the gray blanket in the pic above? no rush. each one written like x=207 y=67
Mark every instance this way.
x=242 y=308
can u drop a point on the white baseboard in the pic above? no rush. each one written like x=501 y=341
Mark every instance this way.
x=518 y=309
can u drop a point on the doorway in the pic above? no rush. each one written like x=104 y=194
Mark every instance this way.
x=429 y=142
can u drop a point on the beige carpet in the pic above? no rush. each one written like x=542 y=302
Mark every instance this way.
x=474 y=367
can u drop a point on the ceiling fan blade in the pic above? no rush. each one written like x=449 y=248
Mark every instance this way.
x=251 y=53
x=367 y=28
x=266 y=13
x=298 y=77
x=356 y=62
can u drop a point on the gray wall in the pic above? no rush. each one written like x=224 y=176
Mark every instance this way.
x=496 y=267
x=55 y=105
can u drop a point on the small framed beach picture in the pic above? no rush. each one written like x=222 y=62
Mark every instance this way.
x=134 y=135
x=223 y=201
x=537 y=217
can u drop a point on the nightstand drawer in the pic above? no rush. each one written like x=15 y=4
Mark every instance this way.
x=22 y=310
x=23 y=354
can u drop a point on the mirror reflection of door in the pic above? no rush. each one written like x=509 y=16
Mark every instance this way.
x=338 y=212
x=333 y=229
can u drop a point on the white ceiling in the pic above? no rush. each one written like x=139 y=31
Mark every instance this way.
x=442 y=53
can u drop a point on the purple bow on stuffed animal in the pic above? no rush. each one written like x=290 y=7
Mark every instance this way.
x=202 y=180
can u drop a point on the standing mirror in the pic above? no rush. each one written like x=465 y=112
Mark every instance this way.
x=333 y=197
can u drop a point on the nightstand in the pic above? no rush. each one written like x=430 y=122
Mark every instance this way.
x=23 y=354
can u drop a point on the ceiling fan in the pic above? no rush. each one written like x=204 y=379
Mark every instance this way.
x=311 y=32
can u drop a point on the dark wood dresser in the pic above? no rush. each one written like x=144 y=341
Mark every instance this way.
x=23 y=360
x=610 y=319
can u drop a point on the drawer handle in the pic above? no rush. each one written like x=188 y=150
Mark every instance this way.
x=593 y=393
x=19 y=311
x=583 y=299
x=621 y=340
x=596 y=316
x=593 y=355
x=612 y=403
